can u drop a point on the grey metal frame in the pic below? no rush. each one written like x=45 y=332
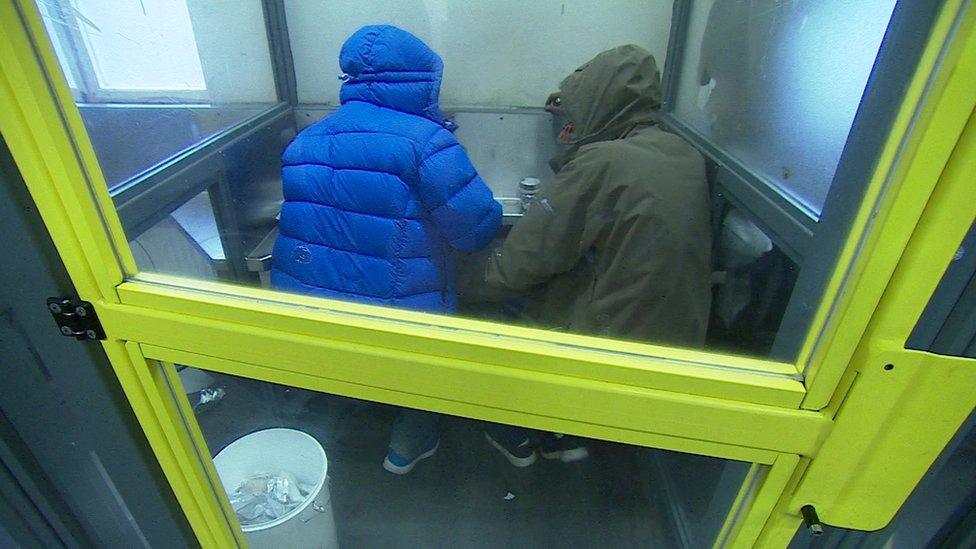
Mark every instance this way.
x=948 y=324
x=680 y=11
x=282 y=61
x=813 y=243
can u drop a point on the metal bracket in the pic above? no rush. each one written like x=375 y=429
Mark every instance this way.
x=75 y=318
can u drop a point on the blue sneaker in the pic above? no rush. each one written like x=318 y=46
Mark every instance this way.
x=401 y=465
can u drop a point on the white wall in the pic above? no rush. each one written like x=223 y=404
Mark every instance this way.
x=234 y=53
x=499 y=53
x=503 y=146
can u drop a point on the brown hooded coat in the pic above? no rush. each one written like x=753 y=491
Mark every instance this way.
x=619 y=243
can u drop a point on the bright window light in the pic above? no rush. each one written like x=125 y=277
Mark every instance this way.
x=140 y=45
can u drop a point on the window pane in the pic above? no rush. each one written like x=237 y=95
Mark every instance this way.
x=125 y=155
x=776 y=84
x=467 y=493
x=432 y=175
x=53 y=22
x=146 y=45
x=187 y=242
x=154 y=78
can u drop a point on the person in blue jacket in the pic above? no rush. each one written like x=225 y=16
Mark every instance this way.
x=378 y=194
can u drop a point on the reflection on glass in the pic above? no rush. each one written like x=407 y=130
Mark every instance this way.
x=187 y=242
x=130 y=139
x=777 y=84
x=155 y=77
x=467 y=493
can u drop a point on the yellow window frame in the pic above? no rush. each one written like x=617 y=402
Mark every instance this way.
x=761 y=411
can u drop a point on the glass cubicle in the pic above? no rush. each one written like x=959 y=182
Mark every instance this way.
x=231 y=183
x=212 y=119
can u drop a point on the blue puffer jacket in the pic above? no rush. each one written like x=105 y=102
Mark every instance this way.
x=377 y=193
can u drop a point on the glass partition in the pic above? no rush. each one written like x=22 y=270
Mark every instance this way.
x=467 y=493
x=776 y=85
x=155 y=78
x=429 y=172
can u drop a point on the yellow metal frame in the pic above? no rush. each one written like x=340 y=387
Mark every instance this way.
x=938 y=103
x=800 y=419
x=899 y=407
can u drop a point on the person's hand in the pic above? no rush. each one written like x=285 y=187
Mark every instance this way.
x=554 y=103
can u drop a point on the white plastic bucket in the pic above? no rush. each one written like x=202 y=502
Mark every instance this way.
x=311 y=524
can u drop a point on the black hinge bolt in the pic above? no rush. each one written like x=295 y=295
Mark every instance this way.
x=812 y=520
x=75 y=319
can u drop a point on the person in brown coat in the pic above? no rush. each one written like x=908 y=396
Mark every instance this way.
x=619 y=244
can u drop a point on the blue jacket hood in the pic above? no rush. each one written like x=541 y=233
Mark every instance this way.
x=387 y=66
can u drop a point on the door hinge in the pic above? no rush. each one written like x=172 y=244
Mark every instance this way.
x=75 y=318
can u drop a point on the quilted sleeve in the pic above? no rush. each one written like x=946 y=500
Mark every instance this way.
x=460 y=204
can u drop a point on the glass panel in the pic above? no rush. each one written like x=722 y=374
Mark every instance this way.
x=125 y=155
x=156 y=77
x=776 y=84
x=132 y=46
x=186 y=242
x=467 y=493
x=754 y=280
x=582 y=215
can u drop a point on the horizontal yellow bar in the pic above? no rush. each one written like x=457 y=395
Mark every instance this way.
x=462 y=409
x=669 y=369
x=486 y=385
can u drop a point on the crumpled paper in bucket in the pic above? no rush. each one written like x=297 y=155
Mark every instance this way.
x=265 y=497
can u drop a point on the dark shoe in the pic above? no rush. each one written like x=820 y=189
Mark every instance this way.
x=520 y=454
x=566 y=449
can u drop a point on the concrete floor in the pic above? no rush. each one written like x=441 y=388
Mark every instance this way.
x=457 y=497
